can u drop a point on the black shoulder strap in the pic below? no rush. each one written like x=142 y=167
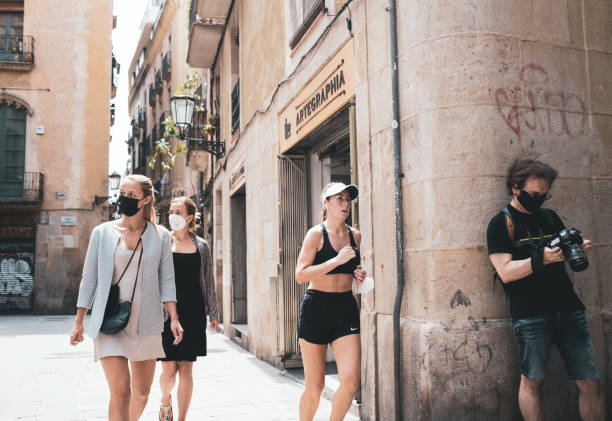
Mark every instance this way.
x=509 y=223
x=350 y=230
x=325 y=237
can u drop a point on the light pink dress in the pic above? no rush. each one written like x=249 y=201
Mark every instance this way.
x=128 y=343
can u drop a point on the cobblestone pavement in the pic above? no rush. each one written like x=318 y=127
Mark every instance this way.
x=43 y=378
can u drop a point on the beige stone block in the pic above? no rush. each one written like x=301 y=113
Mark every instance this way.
x=384 y=367
x=455 y=71
x=361 y=57
x=482 y=142
x=423 y=20
x=549 y=70
x=601 y=83
x=603 y=256
x=385 y=280
x=558 y=21
x=573 y=200
x=602 y=145
x=598 y=15
x=602 y=212
x=454 y=284
x=380 y=100
x=468 y=372
x=450 y=213
x=368 y=365
x=378 y=41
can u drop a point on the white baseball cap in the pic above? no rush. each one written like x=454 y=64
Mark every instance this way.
x=335 y=188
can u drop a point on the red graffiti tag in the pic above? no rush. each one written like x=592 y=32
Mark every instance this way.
x=542 y=109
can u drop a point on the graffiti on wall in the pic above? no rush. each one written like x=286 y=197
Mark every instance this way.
x=536 y=107
x=16 y=281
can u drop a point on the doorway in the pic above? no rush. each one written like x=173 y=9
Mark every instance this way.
x=239 y=266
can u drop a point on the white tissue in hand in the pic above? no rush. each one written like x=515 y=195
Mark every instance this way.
x=366 y=286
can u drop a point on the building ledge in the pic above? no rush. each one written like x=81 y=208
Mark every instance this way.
x=204 y=38
x=16 y=66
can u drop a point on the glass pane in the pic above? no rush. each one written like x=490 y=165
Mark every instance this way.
x=17 y=20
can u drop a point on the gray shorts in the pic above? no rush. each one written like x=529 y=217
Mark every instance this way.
x=569 y=332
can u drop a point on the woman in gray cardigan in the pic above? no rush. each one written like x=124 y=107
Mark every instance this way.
x=116 y=247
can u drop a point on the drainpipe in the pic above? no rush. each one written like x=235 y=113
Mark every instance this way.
x=399 y=232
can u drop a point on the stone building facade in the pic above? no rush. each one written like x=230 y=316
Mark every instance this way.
x=56 y=81
x=158 y=67
x=308 y=100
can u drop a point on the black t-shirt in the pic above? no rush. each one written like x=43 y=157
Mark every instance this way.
x=549 y=291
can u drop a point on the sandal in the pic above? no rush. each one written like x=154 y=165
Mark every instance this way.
x=165 y=412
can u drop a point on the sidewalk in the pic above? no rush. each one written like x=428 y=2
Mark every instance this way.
x=43 y=378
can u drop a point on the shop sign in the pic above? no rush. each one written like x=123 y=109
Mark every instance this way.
x=326 y=93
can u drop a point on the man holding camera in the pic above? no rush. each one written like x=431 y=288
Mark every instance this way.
x=544 y=308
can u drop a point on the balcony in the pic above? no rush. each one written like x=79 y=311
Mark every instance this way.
x=114 y=77
x=167 y=67
x=236 y=108
x=26 y=188
x=163 y=190
x=17 y=52
x=151 y=95
x=158 y=82
x=112 y=114
x=206 y=23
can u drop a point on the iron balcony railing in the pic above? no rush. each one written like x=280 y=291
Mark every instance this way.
x=236 y=107
x=17 y=49
x=158 y=82
x=192 y=14
x=151 y=95
x=167 y=66
x=27 y=187
x=162 y=190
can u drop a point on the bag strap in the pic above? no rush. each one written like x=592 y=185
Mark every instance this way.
x=137 y=270
x=132 y=256
x=509 y=223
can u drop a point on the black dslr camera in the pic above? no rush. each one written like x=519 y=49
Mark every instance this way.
x=570 y=242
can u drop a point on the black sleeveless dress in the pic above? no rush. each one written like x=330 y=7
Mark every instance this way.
x=190 y=309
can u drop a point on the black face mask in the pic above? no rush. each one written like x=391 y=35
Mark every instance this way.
x=531 y=203
x=127 y=206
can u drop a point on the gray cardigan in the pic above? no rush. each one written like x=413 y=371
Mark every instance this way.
x=207 y=280
x=158 y=276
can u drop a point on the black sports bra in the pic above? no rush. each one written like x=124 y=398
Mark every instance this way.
x=327 y=252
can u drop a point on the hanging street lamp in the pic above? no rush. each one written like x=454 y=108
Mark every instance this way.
x=182 y=107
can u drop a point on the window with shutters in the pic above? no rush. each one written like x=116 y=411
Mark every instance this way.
x=303 y=14
x=12 y=150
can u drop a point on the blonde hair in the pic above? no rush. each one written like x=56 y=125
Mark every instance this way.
x=146 y=185
x=191 y=209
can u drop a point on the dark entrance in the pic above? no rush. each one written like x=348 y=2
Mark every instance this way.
x=239 y=248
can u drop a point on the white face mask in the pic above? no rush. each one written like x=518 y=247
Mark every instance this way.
x=177 y=222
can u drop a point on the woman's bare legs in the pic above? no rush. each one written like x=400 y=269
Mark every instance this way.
x=142 y=378
x=185 y=388
x=313 y=356
x=117 y=374
x=347 y=353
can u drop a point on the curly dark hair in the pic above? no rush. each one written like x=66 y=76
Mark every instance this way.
x=521 y=169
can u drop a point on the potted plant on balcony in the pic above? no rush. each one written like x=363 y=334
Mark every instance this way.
x=213 y=119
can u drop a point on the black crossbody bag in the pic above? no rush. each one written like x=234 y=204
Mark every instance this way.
x=116 y=314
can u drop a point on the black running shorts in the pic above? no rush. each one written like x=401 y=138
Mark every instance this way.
x=327 y=316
